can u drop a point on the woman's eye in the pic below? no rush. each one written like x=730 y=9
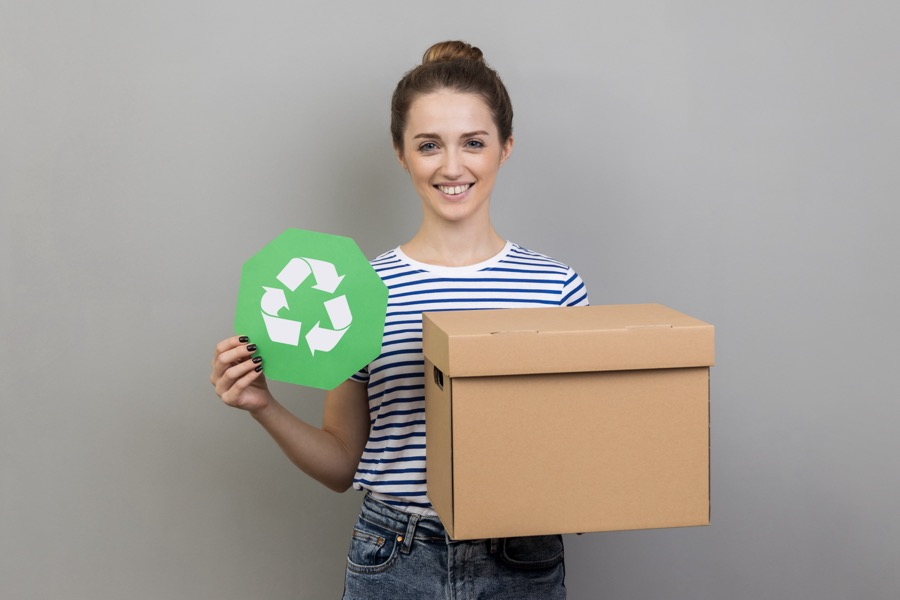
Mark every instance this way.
x=428 y=147
x=474 y=144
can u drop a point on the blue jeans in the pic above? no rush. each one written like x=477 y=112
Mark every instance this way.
x=398 y=555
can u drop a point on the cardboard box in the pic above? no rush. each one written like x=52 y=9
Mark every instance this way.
x=565 y=420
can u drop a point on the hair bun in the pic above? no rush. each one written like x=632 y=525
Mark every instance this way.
x=452 y=50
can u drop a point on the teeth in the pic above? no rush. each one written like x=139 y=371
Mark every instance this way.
x=453 y=190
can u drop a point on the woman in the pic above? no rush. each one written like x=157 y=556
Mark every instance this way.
x=451 y=122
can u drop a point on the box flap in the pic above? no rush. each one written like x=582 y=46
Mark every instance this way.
x=565 y=340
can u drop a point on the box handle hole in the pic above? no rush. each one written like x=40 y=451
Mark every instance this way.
x=438 y=378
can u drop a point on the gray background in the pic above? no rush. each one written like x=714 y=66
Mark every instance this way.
x=736 y=161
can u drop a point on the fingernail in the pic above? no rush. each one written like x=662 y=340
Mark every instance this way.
x=251 y=348
x=243 y=339
x=257 y=359
x=258 y=369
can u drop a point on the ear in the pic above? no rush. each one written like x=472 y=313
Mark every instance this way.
x=400 y=158
x=507 y=150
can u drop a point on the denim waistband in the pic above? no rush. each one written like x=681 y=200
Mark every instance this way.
x=403 y=523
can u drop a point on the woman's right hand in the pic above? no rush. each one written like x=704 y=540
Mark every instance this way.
x=237 y=375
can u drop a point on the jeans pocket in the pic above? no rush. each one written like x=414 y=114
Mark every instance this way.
x=372 y=548
x=535 y=552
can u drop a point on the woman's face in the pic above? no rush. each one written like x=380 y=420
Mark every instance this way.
x=452 y=151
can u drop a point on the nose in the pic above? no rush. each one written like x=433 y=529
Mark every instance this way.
x=452 y=167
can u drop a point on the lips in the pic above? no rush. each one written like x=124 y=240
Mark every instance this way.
x=453 y=190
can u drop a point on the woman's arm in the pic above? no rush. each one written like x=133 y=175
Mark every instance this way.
x=330 y=454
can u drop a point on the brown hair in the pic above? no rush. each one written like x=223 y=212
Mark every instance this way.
x=455 y=66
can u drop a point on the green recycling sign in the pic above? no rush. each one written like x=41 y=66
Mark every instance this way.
x=314 y=307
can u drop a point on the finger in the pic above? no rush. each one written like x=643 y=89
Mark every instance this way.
x=235 y=371
x=222 y=361
x=229 y=344
x=244 y=376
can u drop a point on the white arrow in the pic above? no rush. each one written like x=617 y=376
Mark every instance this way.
x=294 y=273
x=323 y=339
x=283 y=331
x=326 y=275
x=339 y=312
x=273 y=301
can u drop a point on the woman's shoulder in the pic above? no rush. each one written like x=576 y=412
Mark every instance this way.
x=572 y=288
x=385 y=257
x=526 y=255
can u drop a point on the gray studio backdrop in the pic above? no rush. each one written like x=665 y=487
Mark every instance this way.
x=736 y=161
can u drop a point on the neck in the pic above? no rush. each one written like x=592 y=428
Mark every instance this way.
x=455 y=246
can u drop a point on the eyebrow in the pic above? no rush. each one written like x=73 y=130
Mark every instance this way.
x=480 y=132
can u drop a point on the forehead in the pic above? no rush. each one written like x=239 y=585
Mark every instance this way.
x=447 y=113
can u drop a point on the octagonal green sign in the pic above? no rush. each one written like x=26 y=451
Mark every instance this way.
x=314 y=307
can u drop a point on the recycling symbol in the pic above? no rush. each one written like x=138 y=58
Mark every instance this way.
x=314 y=307
x=287 y=331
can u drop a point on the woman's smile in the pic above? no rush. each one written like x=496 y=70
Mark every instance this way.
x=454 y=190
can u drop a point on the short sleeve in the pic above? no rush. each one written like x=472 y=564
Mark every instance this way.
x=574 y=292
x=361 y=376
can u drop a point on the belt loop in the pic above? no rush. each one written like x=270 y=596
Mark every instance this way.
x=407 y=539
x=495 y=545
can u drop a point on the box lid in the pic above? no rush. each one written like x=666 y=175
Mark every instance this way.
x=565 y=340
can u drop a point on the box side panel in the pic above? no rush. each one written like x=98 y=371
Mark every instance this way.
x=709 y=448
x=581 y=452
x=439 y=443
x=435 y=343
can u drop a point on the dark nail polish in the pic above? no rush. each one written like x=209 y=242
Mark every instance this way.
x=258 y=369
x=251 y=348
x=243 y=339
x=257 y=359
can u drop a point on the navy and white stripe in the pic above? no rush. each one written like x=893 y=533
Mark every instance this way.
x=392 y=466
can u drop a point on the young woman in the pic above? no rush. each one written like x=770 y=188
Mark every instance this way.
x=451 y=122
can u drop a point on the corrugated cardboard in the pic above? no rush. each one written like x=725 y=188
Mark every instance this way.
x=565 y=420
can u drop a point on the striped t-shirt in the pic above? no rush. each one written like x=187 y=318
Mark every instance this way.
x=392 y=467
